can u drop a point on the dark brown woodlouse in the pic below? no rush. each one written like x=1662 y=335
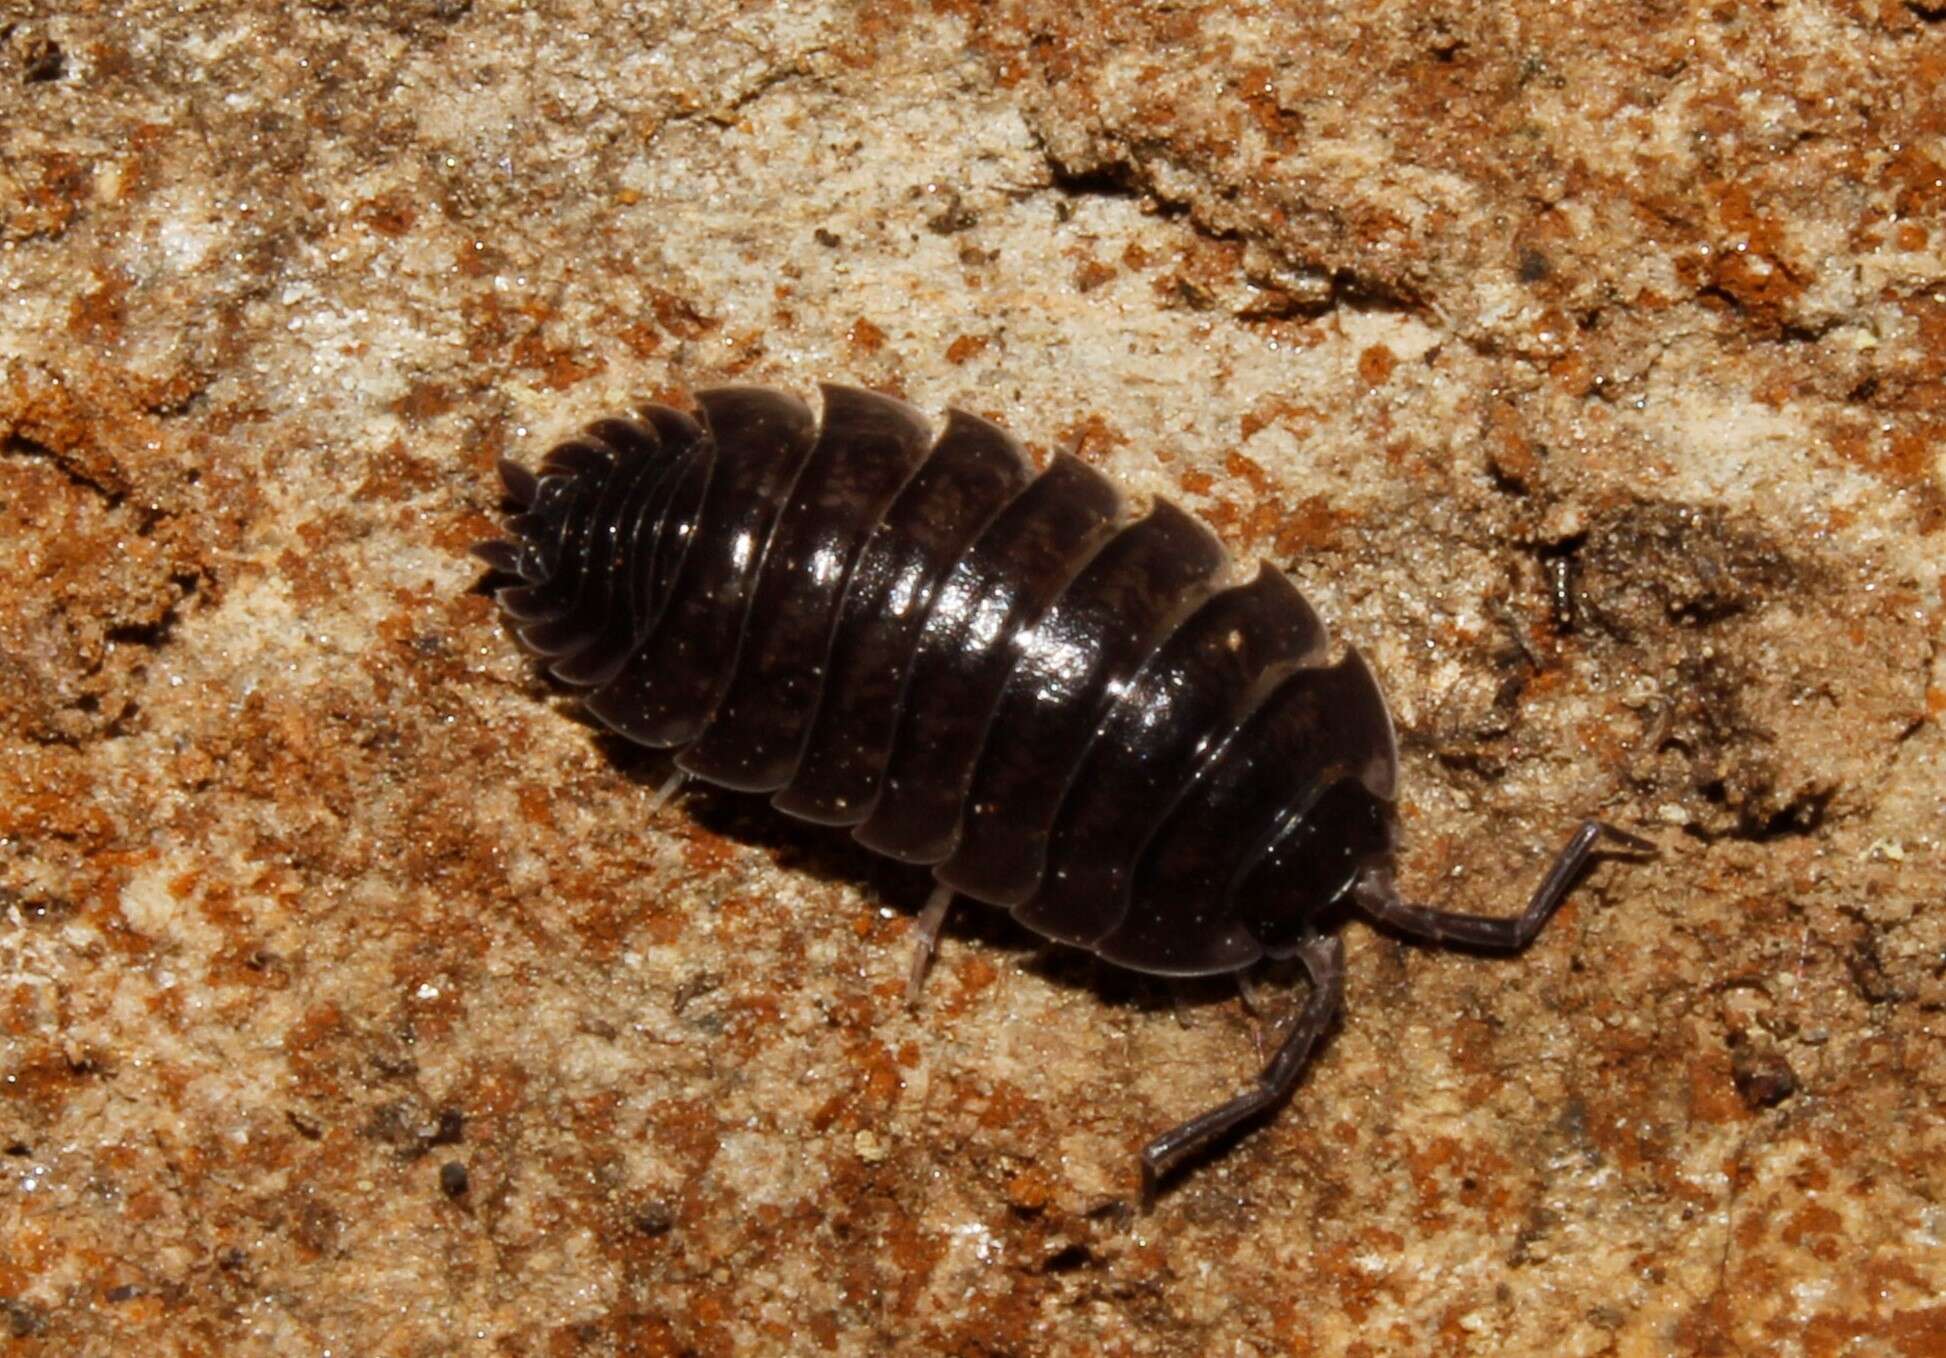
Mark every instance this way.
x=1062 y=708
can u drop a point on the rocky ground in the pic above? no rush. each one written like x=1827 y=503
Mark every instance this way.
x=1586 y=363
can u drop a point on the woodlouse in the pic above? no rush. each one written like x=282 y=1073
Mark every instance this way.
x=1063 y=708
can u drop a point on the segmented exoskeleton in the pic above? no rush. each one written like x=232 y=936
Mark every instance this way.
x=1076 y=712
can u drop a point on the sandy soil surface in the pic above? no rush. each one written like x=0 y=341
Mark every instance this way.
x=1586 y=363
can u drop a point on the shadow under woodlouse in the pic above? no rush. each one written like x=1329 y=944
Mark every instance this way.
x=830 y=857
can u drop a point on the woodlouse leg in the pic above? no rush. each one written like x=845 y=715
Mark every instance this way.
x=1176 y=1003
x=1379 y=898
x=1253 y=1005
x=670 y=787
x=926 y=941
x=1252 y=997
x=1324 y=960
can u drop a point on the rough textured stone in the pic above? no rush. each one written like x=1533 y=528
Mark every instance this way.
x=1586 y=363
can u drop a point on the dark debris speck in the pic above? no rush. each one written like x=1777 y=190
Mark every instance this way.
x=24 y=1320
x=1762 y=1079
x=952 y=218
x=41 y=58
